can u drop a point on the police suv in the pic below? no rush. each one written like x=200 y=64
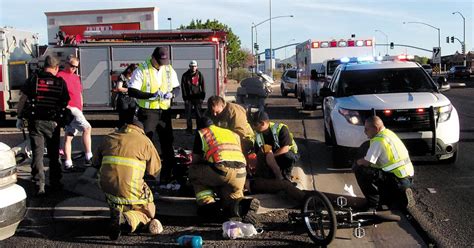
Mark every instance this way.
x=402 y=94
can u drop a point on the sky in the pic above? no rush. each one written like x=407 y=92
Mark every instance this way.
x=312 y=19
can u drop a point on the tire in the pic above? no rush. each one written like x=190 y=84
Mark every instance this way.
x=303 y=102
x=339 y=155
x=327 y=137
x=319 y=219
x=283 y=91
x=451 y=160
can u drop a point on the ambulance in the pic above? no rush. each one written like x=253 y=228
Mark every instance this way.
x=317 y=60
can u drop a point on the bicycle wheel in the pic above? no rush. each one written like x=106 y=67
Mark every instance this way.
x=319 y=219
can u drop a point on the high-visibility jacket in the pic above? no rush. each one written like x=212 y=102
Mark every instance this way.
x=275 y=129
x=221 y=145
x=399 y=162
x=125 y=156
x=151 y=84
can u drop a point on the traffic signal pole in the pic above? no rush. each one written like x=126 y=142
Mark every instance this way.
x=402 y=45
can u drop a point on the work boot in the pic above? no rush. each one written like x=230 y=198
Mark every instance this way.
x=116 y=219
x=248 y=210
x=410 y=198
x=155 y=227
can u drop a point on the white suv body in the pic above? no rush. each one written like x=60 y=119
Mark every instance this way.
x=403 y=95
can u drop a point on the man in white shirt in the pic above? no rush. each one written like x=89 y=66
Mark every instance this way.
x=386 y=170
x=154 y=83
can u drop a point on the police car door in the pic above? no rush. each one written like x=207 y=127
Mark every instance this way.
x=330 y=101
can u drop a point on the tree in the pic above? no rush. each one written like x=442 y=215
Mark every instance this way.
x=421 y=60
x=236 y=57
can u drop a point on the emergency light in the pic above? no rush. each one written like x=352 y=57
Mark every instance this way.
x=341 y=43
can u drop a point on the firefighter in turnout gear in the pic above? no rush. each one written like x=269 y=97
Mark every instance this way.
x=219 y=164
x=233 y=117
x=125 y=157
x=43 y=104
x=386 y=170
x=154 y=84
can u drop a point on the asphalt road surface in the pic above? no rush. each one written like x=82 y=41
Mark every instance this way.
x=446 y=216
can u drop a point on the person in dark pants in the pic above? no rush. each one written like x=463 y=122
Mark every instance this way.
x=192 y=87
x=43 y=104
x=275 y=145
x=386 y=170
x=154 y=84
x=126 y=105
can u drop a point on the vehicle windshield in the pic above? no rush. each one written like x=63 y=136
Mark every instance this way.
x=291 y=74
x=360 y=82
x=426 y=66
x=332 y=65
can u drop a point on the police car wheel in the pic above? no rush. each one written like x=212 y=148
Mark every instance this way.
x=327 y=137
x=283 y=91
x=450 y=160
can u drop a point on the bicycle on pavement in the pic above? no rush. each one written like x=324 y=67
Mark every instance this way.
x=321 y=220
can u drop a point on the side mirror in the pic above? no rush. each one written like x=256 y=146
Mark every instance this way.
x=325 y=92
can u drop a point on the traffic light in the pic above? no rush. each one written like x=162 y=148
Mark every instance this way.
x=391 y=45
x=447 y=39
x=255 y=45
x=452 y=39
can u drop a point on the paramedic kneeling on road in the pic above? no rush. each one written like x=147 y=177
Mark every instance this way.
x=275 y=145
x=386 y=170
x=154 y=84
x=233 y=117
x=219 y=164
x=124 y=157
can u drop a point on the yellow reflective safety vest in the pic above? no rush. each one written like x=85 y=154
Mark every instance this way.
x=151 y=84
x=220 y=145
x=275 y=128
x=399 y=162
x=130 y=172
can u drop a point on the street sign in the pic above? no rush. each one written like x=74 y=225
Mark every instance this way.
x=436 y=58
x=267 y=54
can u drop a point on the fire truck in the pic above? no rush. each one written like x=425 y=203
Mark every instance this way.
x=316 y=61
x=105 y=54
x=17 y=49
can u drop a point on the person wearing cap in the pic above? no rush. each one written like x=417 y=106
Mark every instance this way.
x=43 y=104
x=124 y=158
x=193 y=92
x=233 y=117
x=154 y=84
x=276 y=154
x=219 y=165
